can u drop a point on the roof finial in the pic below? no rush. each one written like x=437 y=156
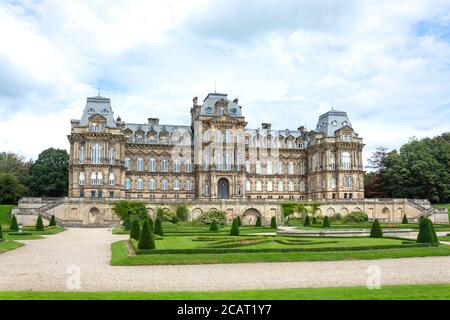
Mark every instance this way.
x=215 y=86
x=332 y=107
x=98 y=87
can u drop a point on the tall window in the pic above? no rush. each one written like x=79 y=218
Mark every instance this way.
x=228 y=136
x=219 y=161
x=164 y=165
x=247 y=166
x=280 y=186
x=280 y=168
x=333 y=183
x=111 y=156
x=81 y=154
x=258 y=186
x=291 y=186
x=152 y=184
x=152 y=139
x=238 y=189
x=291 y=168
x=140 y=164
x=139 y=139
x=218 y=136
x=188 y=166
x=96 y=153
x=152 y=165
x=188 y=185
x=81 y=179
x=346 y=160
x=206 y=136
x=96 y=178
x=206 y=161
x=127 y=163
x=302 y=167
x=269 y=186
x=111 y=179
x=333 y=161
x=165 y=185
x=127 y=183
x=302 y=186
x=227 y=160
x=258 y=167
x=269 y=167
x=348 y=182
x=206 y=188
x=140 y=184
x=238 y=162
x=176 y=166
x=248 y=186
x=176 y=184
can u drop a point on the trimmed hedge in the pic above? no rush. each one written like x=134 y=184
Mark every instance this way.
x=135 y=232
x=237 y=243
x=234 y=228
x=427 y=234
x=158 y=227
x=13 y=225
x=239 y=221
x=213 y=226
x=405 y=219
x=307 y=221
x=326 y=222
x=273 y=223
x=269 y=250
x=52 y=222
x=1 y=232
x=314 y=220
x=39 y=224
x=376 y=231
x=126 y=224
x=146 y=240
x=258 y=222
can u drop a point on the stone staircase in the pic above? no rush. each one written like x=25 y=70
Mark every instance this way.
x=42 y=211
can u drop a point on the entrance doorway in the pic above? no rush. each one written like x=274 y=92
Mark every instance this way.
x=224 y=188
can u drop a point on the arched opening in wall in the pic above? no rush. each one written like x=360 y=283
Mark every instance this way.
x=249 y=217
x=344 y=212
x=94 y=216
x=223 y=188
x=357 y=209
x=212 y=209
x=385 y=214
x=151 y=213
x=318 y=212
x=331 y=212
x=196 y=213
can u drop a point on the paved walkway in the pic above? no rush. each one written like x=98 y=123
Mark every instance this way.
x=43 y=264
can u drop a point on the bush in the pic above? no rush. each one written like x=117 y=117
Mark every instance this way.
x=146 y=239
x=356 y=216
x=130 y=209
x=13 y=225
x=258 y=222
x=150 y=222
x=208 y=217
x=158 y=227
x=234 y=228
x=307 y=222
x=135 y=232
x=182 y=212
x=405 y=219
x=39 y=224
x=376 y=231
x=425 y=232
x=273 y=223
x=239 y=221
x=213 y=226
x=314 y=220
x=52 y=221
x=338 y=216
x=326 y=222
x=126 y=224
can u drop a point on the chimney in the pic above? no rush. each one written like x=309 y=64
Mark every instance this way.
x=301 y=129
x=153 y=121
x=236 y=101
x=266 y=126
x=195 y=100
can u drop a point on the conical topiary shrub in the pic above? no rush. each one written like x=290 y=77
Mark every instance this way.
x=150 y=222
x=405 y=219
x=239 y=221
x=1 y=233
x=234 y=228
x=126 y=224
x=213 y=226
x=146 y=239
x=433 y=232
x=158 y=227
x=326 y=222
x=258 y=222
x=52 y=221
x=376 y=231
x=424 y=235
x=13 y=226
x=307 y=222
x=314 y=220
x=135 y=232
x=39 y=224
x=273 y=223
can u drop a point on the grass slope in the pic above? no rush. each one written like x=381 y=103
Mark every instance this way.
x=9 y=245
x=5 y=210
x=397 y=292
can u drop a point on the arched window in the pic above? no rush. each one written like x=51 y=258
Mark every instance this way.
x=152 y=139
x=188 y=185
x=165 y=185
x=291 y=168
x=188 y=166
x=127 y=183
x=164 y=165
x=176 y=184
x=280 y=186
x=248 y=186
x=206 y=188
x=111 y=155
x=140 y=184
x=152 y=184
x=127 y=163
x=112 y=180
x=140 y=164
x=96 y=153
x=302 y=186
x=333 y=183
x=269 y=167
x=269 y=186
x=81 y=179
x=291 y=186
x=152 y=165
x=346 y=160
x=258 y=186
x=139 y=139
x=302 y=167
x=81 y=154
x=333 y=161
x=176 y=165
x=280 y=168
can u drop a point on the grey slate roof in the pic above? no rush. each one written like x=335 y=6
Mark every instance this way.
x=98 y=105
x=331 y=121
x=212 y=98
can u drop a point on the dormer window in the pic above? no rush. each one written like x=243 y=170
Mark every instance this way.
x=105 y=111
x=91 y=110
x=334 y=123
x=208 y=110
x=139 y=139
x=222 y=110
x=344 y=123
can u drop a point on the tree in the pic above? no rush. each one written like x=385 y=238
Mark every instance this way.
x=39 y=224
x=215 y=215
x=433 y=232
x=132 y=210
x=314 y=220
x=326 y=222
x=376 y=231
x=135 y=232
x=234 y=228
x=13 y=226
x=182 y=212
x=239 y=221
x=126 y=224
x=52 y=222
x=146 y=239
x=10 y=188
x=425 y=232
x=273 y=222
x=307 y=221
x=16 y=165
x=213 y=226
x=50 y=174
x=150 y=222
x=405 y=219
x=258 y=222
x=158 y=227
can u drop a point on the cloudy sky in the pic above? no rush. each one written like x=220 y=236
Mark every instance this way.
x=387 y=63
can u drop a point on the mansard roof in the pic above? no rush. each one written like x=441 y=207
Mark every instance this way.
x=98 y=105
x=210 y=101
x=155 y=127
x=331 y=121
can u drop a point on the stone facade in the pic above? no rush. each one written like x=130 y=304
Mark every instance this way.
x=215 y=157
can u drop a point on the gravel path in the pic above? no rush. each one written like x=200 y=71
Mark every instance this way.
x=43 y=265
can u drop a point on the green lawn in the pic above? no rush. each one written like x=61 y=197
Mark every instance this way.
x=121 y=256
x=5 y=210
x=9 y=245
x=366 y=225
x=30 y=233
x=392 y=292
